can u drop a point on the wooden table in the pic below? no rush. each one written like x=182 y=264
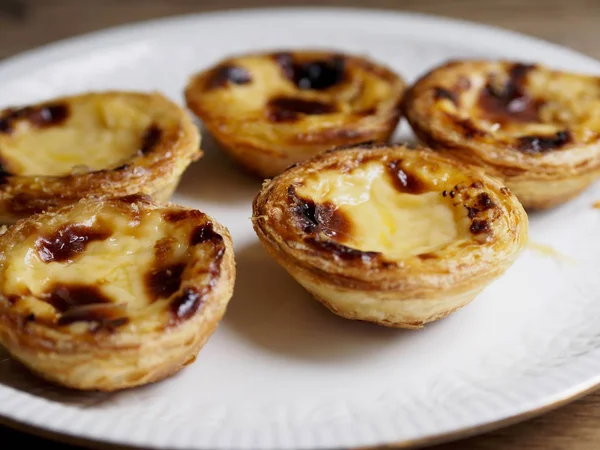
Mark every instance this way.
x=26 y=24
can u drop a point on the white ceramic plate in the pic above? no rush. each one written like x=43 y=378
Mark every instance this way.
x=281 y=371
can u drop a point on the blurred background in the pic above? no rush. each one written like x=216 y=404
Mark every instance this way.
x=29 y=23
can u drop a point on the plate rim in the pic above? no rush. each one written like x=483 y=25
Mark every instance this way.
x=103 y=37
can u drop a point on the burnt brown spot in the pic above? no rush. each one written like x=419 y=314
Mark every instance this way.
x=30 y=317
x=205 y=233
x=101 y=317
x=340 y=250
x=469 y=129
x=427 y=256
x=150 y=139
x=136 y=198
x=223 y=75
x=81 y=303
x=4 y=174
x=441 y=93
x=444 y=193
x=318 y=74
x=477 y=185
x=186 y=304
x=471 y=212
x=164 y=282
x=164 y=248
x=177 y=215
x=323 y=218
x=484 y=202
x=68 y=241
x=286 y=109
x=38 y=116
x=404 y=181
x=64 y=297
x=542 y=144
x=479 y=226
x=510 y=102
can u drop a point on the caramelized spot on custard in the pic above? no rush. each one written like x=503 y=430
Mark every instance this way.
x=136 y=198
x=164 y=282
x=505 y=190
x=404 y=181
x=286 y=109
x=479 y=226
x=510 y=102
x=484 y=202
x=317 y=75
x=150 y=139
x=205 y=233
x=228 y=73
x=64 y=297
x=315 y=218
x=102 y=317
x=4 y=174
x=426 y=256
x=441 y=93
x=81 y=303
x=177 y=215
x=39 y=116
x=542 y=144
x=164 y=247
x=477 y=185
x=340 y=250
x=471 y=212
x=469 y=129
x=186 y=304
x=68 y=241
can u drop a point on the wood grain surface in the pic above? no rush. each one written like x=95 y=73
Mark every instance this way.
x=25 y=24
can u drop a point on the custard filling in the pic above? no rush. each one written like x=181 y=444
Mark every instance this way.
x=130 y=264
x=80 y=135
x=364 y=209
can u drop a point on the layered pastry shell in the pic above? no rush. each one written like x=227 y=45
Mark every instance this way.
x=112 y=293
x=270 y=110
x=535 y=128
x=100 y=143
x=390 y=235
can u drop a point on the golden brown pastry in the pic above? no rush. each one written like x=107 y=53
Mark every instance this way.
x=390 y=235
x=270 y=110
x=535 y=128
x=108 y=143
x=106 y=294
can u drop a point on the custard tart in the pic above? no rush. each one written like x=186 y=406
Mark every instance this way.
x=535 y=128
x=270 y=110
x=388 y=234
x=102 y=143
x=106 y=294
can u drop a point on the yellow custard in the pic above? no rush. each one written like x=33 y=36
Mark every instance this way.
x=383 y=219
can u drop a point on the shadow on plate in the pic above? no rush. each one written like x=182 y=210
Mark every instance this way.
x=216 y=178
x=274 y=312
x=16 y=376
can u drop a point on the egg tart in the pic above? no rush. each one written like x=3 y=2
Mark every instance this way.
x=390 y=235
x=106 y=294
x=104 y=143
x=270 y=110
x=535 y=128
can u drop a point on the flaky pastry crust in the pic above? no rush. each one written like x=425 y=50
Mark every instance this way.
x=270 y=110
x=535 y=128
x=318 y=238
x=113 y=293
x=96 y=144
